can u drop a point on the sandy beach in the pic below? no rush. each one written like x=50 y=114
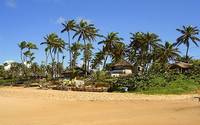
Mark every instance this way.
x=31 y=106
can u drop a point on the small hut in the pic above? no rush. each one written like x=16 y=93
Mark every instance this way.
x=121 y=68
x=181 y=67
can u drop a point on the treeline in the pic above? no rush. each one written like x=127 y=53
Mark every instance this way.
x=145 y=49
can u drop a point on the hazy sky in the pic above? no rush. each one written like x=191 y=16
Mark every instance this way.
x=31 y=20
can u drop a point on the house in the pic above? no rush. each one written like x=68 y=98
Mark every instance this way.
x=78 y=72
x=8 y=64
x=121 y=68
x=181 y=67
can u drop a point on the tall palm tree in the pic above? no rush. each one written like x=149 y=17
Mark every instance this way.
x=152 y=40
x=69 y=25
x=141 y=47
x=30 y=46
x=22 y=45
x=75 y=49
x=88 y=33
x=118 y=51
x=98 y=59
x=55 y=45
x=108 y=44
x=189 y=34
x=88 y=54
x=166 y=53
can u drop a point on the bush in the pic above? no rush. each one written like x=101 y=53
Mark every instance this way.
x=158 y=84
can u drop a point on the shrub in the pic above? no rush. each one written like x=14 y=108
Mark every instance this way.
x=158 y=84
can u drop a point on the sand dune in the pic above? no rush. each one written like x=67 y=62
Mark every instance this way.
x=29 y=106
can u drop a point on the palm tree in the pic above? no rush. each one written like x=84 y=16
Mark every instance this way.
x=30 y=46
x=22 y=45
x=86 y=32
x=152 y=40
x=166 y=53
x=108 y=44
x=118 y=51
x=189 y=33
x=55 y=45
x=69 y=25
x=75 y=49
x=99 y=56
x=59 y=47
x=141 y=47
x=88 y=54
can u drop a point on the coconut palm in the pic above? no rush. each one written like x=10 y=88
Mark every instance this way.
x=166 y=53
x=108 y=44
x=75 y=49
x=88 y=33
x=98 y=59
x=88 y=54
x=141 y=47
x=152 y=41
x=69 y=25
x=22 y=45
x=118 y=51
x=29 y=54
x=189 y=34
x=55 y=45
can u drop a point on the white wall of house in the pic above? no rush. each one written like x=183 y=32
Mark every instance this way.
x=8 y=64
x=117 y=73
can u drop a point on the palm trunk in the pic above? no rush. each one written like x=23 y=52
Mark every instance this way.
x=46 y=61
x=85 y=61
x=70 y=54
x=23 y=72
x=58 y=71
x=187 y=59
x=104 y=64
x=52 y=64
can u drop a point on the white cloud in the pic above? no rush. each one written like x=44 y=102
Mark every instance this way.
x=60 y=20
x=10 y=3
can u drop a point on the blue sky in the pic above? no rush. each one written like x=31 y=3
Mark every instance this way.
x=31 y=20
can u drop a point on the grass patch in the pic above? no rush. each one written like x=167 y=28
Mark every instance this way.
x=179 y=86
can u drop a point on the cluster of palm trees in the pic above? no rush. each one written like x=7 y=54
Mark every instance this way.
x=85 y=33
x=27 y=55
x=144 y=49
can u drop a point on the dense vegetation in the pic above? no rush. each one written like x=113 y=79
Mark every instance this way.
x=145 y=49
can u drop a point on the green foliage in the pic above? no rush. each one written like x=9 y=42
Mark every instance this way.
x=159 y=84
x=6 y=81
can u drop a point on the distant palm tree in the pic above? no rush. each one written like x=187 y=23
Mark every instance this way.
x=88 y=54
x=22 y=45
x=30 y=46
x=86 y=32
x=75 y=49
x=141 y=47
x=69 y=25
x=189 y=33
x=55 y=45
x=108 y=44
x=166 y=53
x=97 y=60
x=118 y=51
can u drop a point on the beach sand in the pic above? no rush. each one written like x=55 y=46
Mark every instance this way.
x=31 y=106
